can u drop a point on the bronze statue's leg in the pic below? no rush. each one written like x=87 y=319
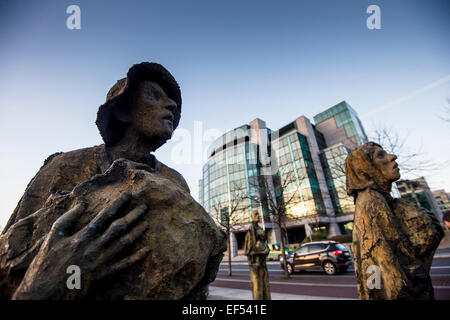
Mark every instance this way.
x=253 y=280
x=259 y=279
x=266 y=286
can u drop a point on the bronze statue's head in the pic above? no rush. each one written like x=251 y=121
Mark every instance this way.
x=255 y=216
x=369 y=166
x=148 y=99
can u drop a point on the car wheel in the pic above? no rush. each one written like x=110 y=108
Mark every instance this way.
x=329 y=268
x=290 y=269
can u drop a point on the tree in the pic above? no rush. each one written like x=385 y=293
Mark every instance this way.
x=410 y=161
x=446 y=117
x=280 y=202
x=229 y=213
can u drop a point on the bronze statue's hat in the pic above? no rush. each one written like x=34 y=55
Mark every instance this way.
x=118 y=97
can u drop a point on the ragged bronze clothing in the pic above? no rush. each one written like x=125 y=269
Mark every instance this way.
x=59 y=175
x=400 y=240
x=259 y=277
x=256 y=250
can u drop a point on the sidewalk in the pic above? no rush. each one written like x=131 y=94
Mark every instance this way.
x=441 y=255
x=220 y=293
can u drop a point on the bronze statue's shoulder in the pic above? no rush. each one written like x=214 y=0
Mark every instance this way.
x=369 y=196
x=173 y=175
x=60 y=171
x=78 y=157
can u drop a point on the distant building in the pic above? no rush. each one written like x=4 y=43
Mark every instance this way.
x=312 y=153
x=418 y=192
x=443 y=199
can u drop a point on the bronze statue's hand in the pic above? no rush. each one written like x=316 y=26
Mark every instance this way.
x=16 y=250
x=92 y=250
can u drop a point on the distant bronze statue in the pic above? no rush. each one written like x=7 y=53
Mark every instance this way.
x=124 y=219
x=256 y=250
x=393 y=241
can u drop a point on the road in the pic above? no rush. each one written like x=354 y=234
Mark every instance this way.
x=317 y=283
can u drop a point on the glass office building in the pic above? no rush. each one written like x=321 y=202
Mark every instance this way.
x=231 y=168
x=305 y=160
x=333 y=162
x=341 y=124
x=296 y=172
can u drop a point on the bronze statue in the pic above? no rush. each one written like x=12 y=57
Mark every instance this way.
x=124 y=218
x=256 y=250
x=393 y=241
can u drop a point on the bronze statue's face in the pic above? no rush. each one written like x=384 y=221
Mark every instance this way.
x=255 y=216
x=386 y=164
x=153 y=112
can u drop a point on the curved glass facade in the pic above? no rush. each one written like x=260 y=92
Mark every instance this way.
x=232 y=168
x=300 y=171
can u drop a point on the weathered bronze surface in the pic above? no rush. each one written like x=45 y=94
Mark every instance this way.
x=256 y=250
x=392 y=238
x=127 y=220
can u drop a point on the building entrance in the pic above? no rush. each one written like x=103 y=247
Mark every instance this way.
x=240 y=240
x=296 y=235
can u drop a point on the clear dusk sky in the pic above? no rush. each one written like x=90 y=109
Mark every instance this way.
x=234 y=61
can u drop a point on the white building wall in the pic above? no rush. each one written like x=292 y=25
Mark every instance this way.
x=305 y=128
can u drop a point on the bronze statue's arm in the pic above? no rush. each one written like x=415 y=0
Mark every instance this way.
x=248 y=248
x=36 y=192
x=421 y=226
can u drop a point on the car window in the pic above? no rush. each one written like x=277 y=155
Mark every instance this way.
x=315 y=247
x=339 y=246
x=302 y=250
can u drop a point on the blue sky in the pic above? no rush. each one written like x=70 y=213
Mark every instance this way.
x=234 y=61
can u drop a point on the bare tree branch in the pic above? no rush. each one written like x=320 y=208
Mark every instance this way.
x=446 y=116
x=228 y=214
